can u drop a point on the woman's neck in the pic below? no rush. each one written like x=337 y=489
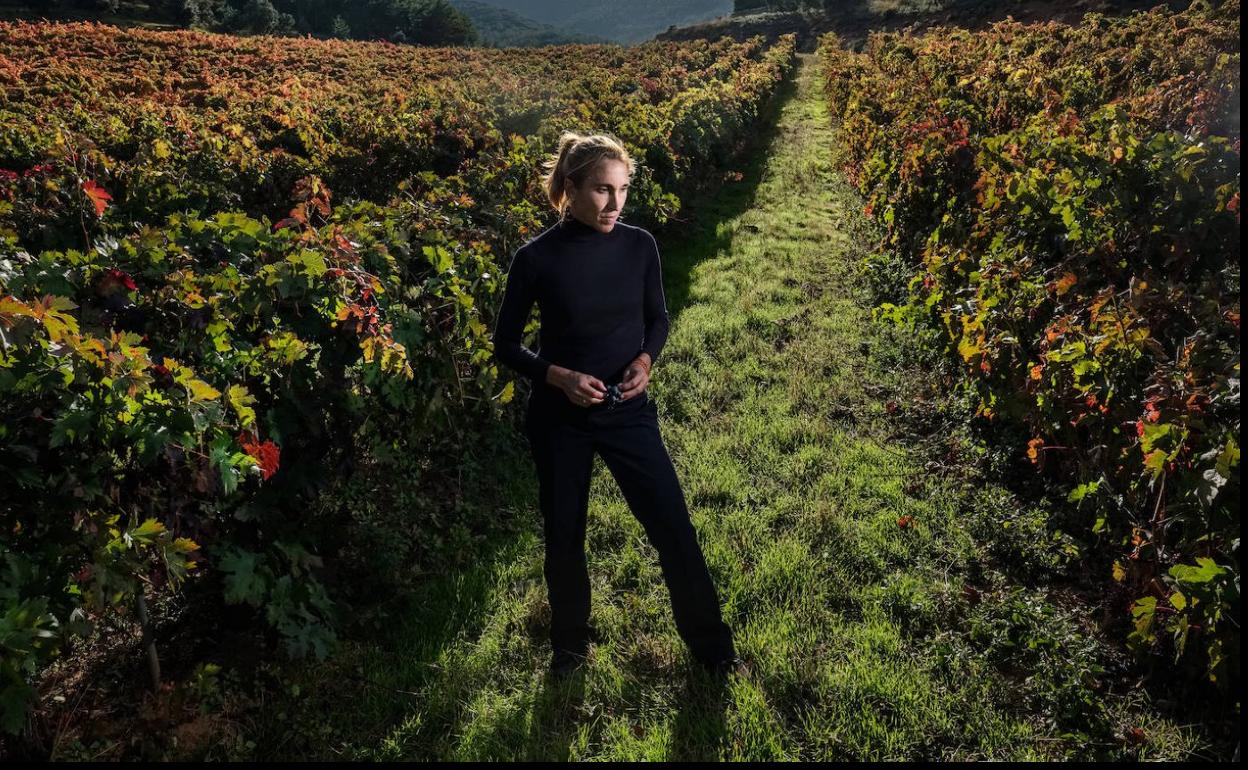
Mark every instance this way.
x=572 y=226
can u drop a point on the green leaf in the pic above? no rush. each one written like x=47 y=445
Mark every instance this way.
x=1155 y=461
x=226 y=462
x=70 y=427
x=1153 y=431
x=1205 y=571
x=439 y=257
x=245 y=579
x=1143 y=610
x=1082 y=491
x=312 y=262
x=148 y=532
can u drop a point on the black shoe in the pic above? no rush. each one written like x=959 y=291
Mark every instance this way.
x=564 y=663
x=724 y=666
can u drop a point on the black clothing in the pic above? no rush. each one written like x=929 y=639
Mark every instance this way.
x=629 y=441
x=601 y=302
x=600 y=297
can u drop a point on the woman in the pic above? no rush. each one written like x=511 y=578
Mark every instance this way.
x=598 y=286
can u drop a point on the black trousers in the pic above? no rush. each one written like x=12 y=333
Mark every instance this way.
x=563 y=438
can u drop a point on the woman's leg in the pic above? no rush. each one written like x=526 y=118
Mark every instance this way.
x=634 y=452
x=564 y=458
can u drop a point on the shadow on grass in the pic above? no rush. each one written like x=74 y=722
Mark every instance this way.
x=557 y=713
x=699 y=729
x=698 y=726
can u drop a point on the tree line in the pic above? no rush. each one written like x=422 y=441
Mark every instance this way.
x=427 y=22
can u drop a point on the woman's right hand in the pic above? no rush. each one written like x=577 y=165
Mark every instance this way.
x=581 y=389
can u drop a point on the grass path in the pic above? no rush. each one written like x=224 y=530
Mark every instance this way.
x=860 y=639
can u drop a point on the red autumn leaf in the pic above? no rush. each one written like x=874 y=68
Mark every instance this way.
x=123 y=277
x=114 y=280
x=345 y=248
x=98 y=196
x=905 y=521
x=266 y=454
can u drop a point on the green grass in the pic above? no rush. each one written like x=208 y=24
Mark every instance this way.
x=860 y=639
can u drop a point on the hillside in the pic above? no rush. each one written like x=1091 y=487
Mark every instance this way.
x=853 y=20
x=624 y=21
x=507 y=29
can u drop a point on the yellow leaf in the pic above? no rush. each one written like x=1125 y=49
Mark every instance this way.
x=186 y=545
x=241 y=400
x=11 y=308
x=201 y=391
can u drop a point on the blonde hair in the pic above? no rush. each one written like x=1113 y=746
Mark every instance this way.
x=578 y=154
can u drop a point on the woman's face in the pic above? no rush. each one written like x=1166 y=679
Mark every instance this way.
x=600 y=199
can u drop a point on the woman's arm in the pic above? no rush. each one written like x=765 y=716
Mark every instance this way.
x=518 y=299
x=656 y=319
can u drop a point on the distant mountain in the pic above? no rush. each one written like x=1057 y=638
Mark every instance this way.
x=624 y=21
x=508 y=29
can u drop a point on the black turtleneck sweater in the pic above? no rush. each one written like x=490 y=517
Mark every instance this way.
x=599 y=296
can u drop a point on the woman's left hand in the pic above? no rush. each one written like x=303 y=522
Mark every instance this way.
x=636 y=377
